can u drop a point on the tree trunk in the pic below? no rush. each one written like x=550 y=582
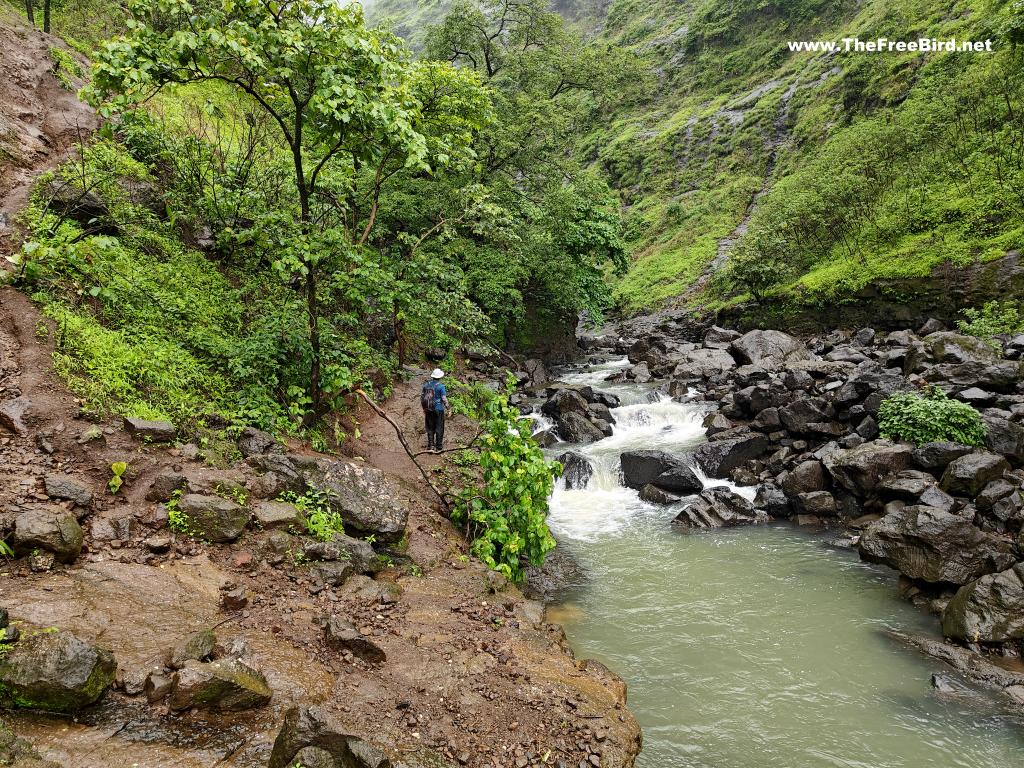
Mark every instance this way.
x=46 y=16
x=31 y=12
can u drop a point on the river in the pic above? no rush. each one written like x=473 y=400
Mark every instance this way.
x=752 y=647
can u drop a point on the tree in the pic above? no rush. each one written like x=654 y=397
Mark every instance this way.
x=345 y=100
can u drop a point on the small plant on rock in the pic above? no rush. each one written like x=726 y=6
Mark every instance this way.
x=177 y=520
x=322 y=522
x=5 y=549
x=994 y=318
x=117 y=469
x=929 y=417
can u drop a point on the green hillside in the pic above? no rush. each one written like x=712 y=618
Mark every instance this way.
x=752 y=169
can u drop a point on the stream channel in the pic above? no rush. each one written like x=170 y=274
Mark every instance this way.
x=751 y=647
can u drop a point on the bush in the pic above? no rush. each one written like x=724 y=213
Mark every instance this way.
x=929 y=418
x=993 y=319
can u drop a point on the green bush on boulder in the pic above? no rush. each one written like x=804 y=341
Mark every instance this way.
x=930 y=417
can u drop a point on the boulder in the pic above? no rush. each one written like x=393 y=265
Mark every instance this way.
x=719 y=458
x=564 y=401
x=681 y=479
x=576 y=469
x=225 y=685
x=157 y=431
x=771 y=350
x=50 y=529
x=907 y=485
x=719 y=338
x=356 y=552
x=772 y=500
x=952 y=348
x=369 y=502
x=195 y=647
x=256 y=442
x=311 y=726
x=14 y=413
x=60 y=486
x=342 y=635
x=803 y=415
x=718 y=508
x=1005 y=437
x=164 y=485
x=641 y=467
x=278 y=514
x=988 y=610
x=655 y=495
x=1000 y=377
x=929 y=545
x=938 y=455
x=817 y=503
x=859 y=469
x=576 y=428
x=213 y=518
x=805 y=477
x=969 y=474
x=55 y=671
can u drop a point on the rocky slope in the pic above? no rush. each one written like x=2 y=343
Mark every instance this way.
x=186 y=617
x=799 y=419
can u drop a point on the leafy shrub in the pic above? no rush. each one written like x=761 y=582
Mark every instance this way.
x=993 y=319
x=322 y=522
x=506 y=518
x=928 y=418
x=65 y=68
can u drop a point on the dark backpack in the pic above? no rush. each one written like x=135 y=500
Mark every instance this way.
x=428 y=396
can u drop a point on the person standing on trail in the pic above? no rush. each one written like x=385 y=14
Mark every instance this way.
x=434 y=399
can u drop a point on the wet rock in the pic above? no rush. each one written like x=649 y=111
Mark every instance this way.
x=859 y=469
x=158 y=687
x=949 y=347
x=157 y=431
x=1004 y=436
x=907 y=485
x=342 y=635
x=196 y=647
x=926 y=544
x=818 y=503
x=564 y=401
x=771 y=350
x=718 y=508
x=720 y=338
x=234 y=599
x=59 y=486
x=988 y=610
x=13 y=415
x=368 y=501
x=641 y=467
x=969 y=474
x=331 y=573
x=655 y=495
x=805 y=477
x=716 y=422
x=55 y=671
x=19 y=753
x=313 y=757
x=938 y=455
x=225 y=685
x=772 y=500
x=311 y=726
x=576 y=428
x=278 y=514
x=577 y=469
x=91 y=434
x=680 y=479
x=358 y=553
x=164 y=485
x=214 y=518
x=255 y=442
x=719 y=458
x=49 y=529
x=933 y=496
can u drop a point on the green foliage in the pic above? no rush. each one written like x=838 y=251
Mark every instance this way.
x=930 y=417
x=506 y=517
x=177 y=520
x=759 y=262
x=65 y=68
x=5 y=549
x=117 y=470
x=322 y=521
x=993 y=319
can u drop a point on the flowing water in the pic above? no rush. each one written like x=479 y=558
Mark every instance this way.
x=752 y=647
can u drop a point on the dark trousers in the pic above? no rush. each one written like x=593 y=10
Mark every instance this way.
x=435 y=428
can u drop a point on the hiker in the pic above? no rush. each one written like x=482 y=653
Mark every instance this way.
x=434 y=399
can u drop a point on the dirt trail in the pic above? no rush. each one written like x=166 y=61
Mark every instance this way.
x=40 y=119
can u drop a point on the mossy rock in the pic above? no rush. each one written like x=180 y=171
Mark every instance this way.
x=54 y=671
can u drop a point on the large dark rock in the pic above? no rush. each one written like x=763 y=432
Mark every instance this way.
x=720 y=338
x=680 y=479
x=772 y=500
x=641 y=467
x=255 y=442
x=368 y=501
x=803 y=415
x=952 y=348
x=999 y=377
x=718 y=508
x=967 y=475
x=577 y=428
x=50 y=529
x=224 y=685
x=61 y=486
x=1005 y=437
x=564 y=401
x=988 y=610
x=806 y=477
x=55 y=671
x=859 y=469
x=213 y=518
x=576 y=469
x=907 y=485
x=719 y=458
x=927 y=544
x=771 y=350
x=195 y=647
x=311 y=726
x=938 y=455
